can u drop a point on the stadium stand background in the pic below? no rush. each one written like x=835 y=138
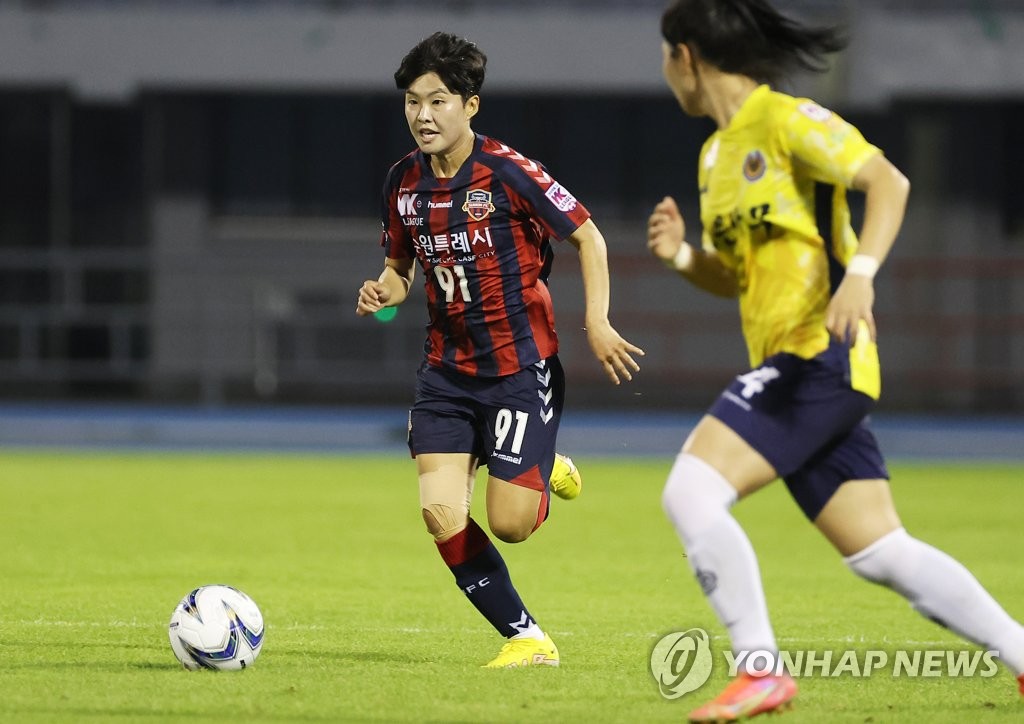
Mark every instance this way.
x=188 y=193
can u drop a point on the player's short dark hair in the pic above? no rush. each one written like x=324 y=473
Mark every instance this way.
x=458 y=63
x=749 y=37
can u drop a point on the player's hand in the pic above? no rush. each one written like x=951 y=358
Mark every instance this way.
x=666 y=230
x=373 y=296
x=613 y=352
x=851 y=303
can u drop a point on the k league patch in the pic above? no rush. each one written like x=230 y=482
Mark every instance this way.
x=560 y=197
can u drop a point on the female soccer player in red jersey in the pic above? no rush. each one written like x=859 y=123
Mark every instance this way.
x=776 y=235
x=478 y=217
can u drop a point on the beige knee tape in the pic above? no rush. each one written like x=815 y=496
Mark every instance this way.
x=444 y=498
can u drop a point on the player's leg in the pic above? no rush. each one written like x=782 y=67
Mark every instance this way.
x=769 y=422
x=521 y=425
x=444 y=438
x=446 y=490
x=514 y=512
x=714 y=469
x=446 y=486
x=861 y=522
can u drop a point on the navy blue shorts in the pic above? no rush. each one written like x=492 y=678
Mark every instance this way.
x=509 y=423
x=806 y=420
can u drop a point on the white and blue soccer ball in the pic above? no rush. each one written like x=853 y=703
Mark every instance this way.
x=216 y=627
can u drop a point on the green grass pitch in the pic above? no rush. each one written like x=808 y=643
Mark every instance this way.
x=366 y=625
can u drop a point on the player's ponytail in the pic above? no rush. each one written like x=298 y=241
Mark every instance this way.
x=749 y=37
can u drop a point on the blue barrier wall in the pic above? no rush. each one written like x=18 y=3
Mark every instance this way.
x=376 y=430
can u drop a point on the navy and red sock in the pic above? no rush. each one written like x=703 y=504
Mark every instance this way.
x=481 y=573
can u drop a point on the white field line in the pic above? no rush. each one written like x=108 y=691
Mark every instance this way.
x=136 y=623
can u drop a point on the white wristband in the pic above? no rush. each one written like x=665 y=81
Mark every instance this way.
x=682 y=260
x=863 y=265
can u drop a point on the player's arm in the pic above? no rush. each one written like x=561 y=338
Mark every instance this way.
x=389 y=289
x=666 y=238
x=613 y=352
x=885 y=200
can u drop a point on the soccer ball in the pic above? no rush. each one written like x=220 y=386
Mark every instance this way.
x=216 y=627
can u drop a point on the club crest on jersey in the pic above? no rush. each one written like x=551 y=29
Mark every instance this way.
x=478 y=204
x=754 y=166
x=560 y=197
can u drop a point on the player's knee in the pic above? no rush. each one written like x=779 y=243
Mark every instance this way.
x=674 y=495
x=443 y=521
x=695 y=495
x=510 y=530
x=882 y=561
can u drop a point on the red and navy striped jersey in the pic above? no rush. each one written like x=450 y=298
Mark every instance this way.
x=482 y=238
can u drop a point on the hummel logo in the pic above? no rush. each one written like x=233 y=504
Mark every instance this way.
x=531 y=167
x=546 y=413
x=522 y=624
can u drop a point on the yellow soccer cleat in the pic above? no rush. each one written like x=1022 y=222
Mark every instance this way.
x=525 y=652
x=566 y=481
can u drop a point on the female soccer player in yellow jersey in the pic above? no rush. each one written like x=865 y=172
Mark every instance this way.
x=776 y=235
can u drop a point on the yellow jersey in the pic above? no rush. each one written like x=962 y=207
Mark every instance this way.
x=773 y=207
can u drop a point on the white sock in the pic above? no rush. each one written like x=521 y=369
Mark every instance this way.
x=533 y=631
x=941 y=589
x=697 y=500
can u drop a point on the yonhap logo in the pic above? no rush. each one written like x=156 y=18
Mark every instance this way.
x=681 y=662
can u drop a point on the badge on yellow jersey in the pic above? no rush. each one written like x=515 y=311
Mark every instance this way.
x=754 y=166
